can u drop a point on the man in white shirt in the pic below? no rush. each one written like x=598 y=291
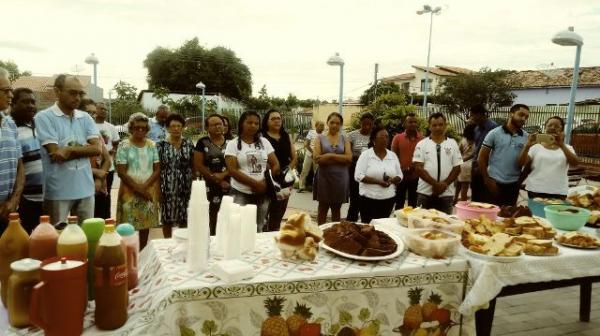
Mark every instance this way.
x=309 y=146
x=437 y=160
x=111 y=139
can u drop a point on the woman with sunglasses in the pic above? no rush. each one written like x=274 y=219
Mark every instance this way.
x=176 y=155
x=138 y=167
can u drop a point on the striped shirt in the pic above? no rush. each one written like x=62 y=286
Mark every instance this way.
x=10 y=153
x=32 y=160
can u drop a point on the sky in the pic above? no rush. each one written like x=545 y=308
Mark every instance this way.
x=286 y=43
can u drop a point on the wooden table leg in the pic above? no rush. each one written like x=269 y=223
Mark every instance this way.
x=484 y=318
x=585 y=301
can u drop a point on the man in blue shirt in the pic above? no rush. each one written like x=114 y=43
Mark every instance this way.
x=498 y=158
x=23 y=109
x=12 y=176
x=158 y=124
x=69 y=137
x=479 y=116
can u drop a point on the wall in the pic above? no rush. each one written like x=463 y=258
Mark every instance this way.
x=553 y=96
x=320 y=112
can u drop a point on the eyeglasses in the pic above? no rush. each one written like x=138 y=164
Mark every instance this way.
x=6 y=90
x=140 y=129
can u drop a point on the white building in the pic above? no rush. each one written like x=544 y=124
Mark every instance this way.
x=553 y=87
x=151 y=103
x=414 y=82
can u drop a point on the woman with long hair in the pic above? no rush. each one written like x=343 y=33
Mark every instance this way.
x=176 y=155
x=209 y=160
x=377 y=172
x=333 y=155
x=226 y=127
x=246 y=157
x=549 y=162
x=138 y=167
x=285 y=151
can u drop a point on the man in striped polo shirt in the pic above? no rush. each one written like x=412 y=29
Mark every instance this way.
x=32 y=200
x=12 y=176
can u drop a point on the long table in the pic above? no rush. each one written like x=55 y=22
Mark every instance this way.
x=372 y=297
x=489 y=280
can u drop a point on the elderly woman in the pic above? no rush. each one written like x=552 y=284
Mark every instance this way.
x=209 y=160
x=333 y=155
x=549 y=162
x=247 y=156
x=285 y=151
x=378 y=172
x=176 y=156
x=138 y=168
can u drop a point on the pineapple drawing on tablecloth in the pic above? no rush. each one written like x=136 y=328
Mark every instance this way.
x=274 y=325
x=428 y=319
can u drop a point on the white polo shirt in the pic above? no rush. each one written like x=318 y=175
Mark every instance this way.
x=369 y=164
x=438 y=167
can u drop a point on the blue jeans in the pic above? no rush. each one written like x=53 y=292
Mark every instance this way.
x=261 y=202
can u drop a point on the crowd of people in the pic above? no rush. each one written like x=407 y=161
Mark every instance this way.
x=62 y=161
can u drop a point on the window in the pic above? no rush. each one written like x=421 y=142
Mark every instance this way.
x=406 y=87
x=423 y=85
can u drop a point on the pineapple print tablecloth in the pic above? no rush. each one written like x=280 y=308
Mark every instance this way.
x=408 y=295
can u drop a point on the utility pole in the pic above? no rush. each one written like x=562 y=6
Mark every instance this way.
x=375 y=81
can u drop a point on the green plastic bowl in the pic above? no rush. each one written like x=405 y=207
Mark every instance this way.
x=563 y=219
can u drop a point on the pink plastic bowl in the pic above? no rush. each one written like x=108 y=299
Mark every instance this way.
x=465 y=212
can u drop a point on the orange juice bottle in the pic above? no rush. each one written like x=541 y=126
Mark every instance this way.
x=72 y=242
x=42 y=243
x=14 y=245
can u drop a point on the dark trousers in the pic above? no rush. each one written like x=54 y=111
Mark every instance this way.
x=354 y=207
x=275 y=214
x=443 y=204
x=533 y=194
x=102 y=201
x=214 y=204
x=479 y=192
x=30 y=213
x=508 y=193
x=373 y=208
x=409 y=187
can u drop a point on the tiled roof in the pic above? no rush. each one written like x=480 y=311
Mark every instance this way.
x=402 y=77
x=44 y=83
x=435 y=70
x=454 y=69
x=588 y=76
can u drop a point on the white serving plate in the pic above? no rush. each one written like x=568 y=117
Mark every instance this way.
x=485 y=257
x=401 y=247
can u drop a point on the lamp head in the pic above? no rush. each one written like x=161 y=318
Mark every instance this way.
x=426 y=8
x=200 y=86
x=568 y=38
x=92 y=59
x=335 y=60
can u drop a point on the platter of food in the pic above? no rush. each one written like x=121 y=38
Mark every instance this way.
x=587 y=197
x=579 y=240
x=408 y=213
x=360 y=241
x=499 y=247
x=432 y=243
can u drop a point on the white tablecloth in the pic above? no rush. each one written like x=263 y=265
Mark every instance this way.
x=340 y=292
x=488 y=278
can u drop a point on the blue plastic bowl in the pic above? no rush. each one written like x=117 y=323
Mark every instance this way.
x=563 y=219
x=537 y=208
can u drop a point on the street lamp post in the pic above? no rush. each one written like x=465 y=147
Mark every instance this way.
x=337 y=60
x=202 y=87
x=92 y=59
x=437 y=11
x=570 y=38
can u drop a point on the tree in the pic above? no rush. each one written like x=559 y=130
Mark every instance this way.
x=126 y=102
x=179 y=70
x=13 y=70
x=491 y=88
x=382 y=88
x=389 y=110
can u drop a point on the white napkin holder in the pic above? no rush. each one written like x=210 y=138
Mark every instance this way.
x=231 y=271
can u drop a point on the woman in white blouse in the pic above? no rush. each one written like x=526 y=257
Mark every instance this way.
x=377 y=171
x=549 y=161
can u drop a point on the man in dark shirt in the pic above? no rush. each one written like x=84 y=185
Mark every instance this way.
x=479 y=116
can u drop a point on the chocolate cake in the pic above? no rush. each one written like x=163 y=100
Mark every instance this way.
x=362 y=240
x=508 y=211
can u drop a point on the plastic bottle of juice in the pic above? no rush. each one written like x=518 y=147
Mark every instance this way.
x=42 y=243
x=93 y=229
x=110 y=281
x=14 y=245
x=131 y=242
x=72 y=242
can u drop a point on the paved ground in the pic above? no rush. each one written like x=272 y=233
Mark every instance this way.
x=547 y=313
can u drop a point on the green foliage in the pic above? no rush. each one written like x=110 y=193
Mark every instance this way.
x=181 y=69
x=382 y=88
x=488 y=87
x=388 y=109
x=126 y=102
x=13 y=70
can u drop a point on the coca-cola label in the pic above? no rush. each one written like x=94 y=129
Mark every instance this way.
x=117 y=275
